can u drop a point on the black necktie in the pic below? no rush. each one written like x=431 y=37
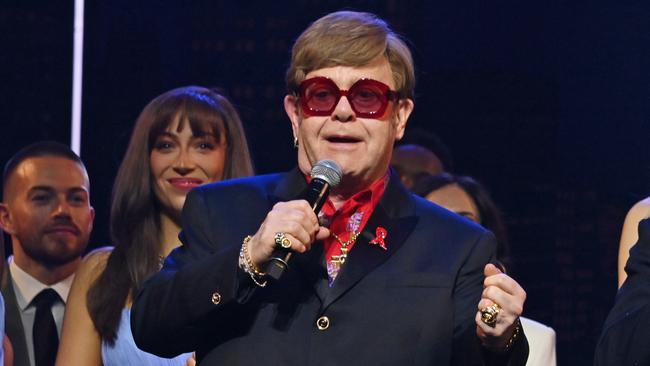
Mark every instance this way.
x=46 y=337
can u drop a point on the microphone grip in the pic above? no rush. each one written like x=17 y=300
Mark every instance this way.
x=315 y=194
x=278 y=264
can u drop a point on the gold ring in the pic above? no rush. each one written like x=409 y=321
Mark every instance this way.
x=490 y=313
x=282 y=241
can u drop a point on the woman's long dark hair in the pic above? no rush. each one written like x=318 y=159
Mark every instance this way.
x=135 y=211
x=491 y=217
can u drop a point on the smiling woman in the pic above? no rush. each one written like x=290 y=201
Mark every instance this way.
x=182 y=159
x=182 y=139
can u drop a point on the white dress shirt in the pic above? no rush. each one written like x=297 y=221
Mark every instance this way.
x=26 y=288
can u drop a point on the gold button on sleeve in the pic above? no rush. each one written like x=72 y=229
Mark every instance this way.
x=216 y=298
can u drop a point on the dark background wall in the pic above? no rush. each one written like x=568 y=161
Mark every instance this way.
x=548 y=104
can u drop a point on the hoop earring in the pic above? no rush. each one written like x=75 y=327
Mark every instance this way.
x=295 y=142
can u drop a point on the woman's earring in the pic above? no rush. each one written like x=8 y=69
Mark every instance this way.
x=295 y=142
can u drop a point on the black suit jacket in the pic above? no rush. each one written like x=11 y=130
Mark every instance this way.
x=13 y=322
x=624 y=338
x=413 y=304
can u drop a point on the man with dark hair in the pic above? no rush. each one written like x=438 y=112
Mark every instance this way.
x=420 y=153
x=412 y=162
x=378 y=277
x=46 y=210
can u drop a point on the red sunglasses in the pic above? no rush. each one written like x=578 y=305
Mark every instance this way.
x=368 y=98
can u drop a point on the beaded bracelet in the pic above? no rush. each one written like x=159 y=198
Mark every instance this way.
x=500 y=351
x=514 y=337
x=247 y=265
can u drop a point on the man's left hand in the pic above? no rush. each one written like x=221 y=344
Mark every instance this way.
x=501 y=289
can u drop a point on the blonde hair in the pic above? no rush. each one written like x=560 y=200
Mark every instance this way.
x=349 y=38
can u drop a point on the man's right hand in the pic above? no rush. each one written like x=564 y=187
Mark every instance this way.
x=296 y=220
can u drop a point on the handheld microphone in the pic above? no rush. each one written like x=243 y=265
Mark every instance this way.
x=325 y=175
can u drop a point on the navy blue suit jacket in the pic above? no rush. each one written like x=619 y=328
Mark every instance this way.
x=13 y=321
x=624 y=338
x=413 y=304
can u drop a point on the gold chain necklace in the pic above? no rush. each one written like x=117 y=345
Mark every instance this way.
x=340 y=259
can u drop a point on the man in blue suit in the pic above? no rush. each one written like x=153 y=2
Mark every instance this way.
x=379 y=277
x=624 y=338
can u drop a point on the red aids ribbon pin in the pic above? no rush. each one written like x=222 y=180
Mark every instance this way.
x=380 y=235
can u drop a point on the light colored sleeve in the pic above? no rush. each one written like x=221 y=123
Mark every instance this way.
x=541 y=343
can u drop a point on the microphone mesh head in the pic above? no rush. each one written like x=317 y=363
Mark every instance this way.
x=327 y=170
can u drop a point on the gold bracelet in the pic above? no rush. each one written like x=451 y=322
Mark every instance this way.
x=510 y=343
x=246 y=264
x=248 y=259
x=514 y=337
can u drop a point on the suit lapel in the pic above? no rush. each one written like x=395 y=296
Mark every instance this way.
x=13 y=321
x=307 y=267
x=395 y=214
x=289 y=187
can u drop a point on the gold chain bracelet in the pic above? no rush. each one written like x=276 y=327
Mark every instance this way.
x=247 y=265
x=514 y=337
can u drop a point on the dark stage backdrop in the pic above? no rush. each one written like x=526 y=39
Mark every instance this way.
x=548 y=104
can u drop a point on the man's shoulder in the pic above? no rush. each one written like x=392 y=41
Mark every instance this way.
x=264 y=183
x=234 y=196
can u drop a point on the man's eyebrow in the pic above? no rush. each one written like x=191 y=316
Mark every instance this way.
x=41 y=188
x=49 y=189
x=78 y=189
